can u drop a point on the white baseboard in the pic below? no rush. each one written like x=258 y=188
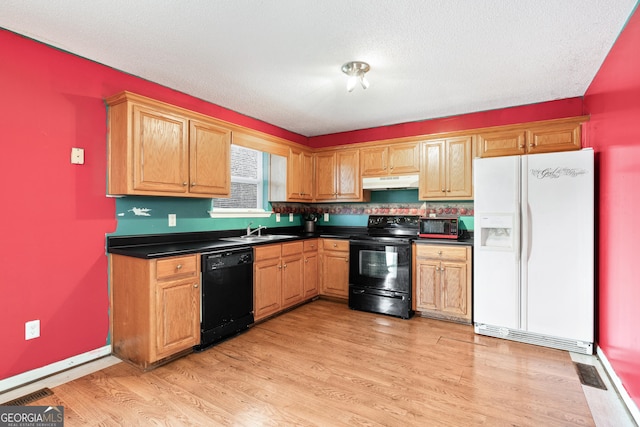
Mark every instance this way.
x=54 y=368
x=629 y=403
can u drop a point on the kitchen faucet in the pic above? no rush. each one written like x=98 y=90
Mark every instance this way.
x=250 y=231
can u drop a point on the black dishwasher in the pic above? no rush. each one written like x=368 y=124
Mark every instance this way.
x=227 y=294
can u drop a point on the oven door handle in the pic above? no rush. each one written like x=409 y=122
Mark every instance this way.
x=379 y=293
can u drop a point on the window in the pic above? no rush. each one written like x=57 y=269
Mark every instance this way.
x=247 y=184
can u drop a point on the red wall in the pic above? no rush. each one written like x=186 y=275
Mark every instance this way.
x=613 y=101
x=569 y=107
x=55 y=215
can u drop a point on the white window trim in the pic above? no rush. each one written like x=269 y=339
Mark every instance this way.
x=239 y=213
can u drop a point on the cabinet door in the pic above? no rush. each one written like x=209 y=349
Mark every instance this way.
x=177 y=316
x=335 y=274
x=306 y=179
x=454 y=288
x=427 y=285
x=310 y=273
x=210 y=159
x=292 y=280
x=300 y=175
x=459 y=177
x=432 y=171
x=267 y=279
x=374 y=161
x=160 y=151
x=404 y=158
x=553 y=137
x=501 y=143
x=325 y=176
x=348 y=180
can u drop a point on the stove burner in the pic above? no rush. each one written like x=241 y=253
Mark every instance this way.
x=406 y=226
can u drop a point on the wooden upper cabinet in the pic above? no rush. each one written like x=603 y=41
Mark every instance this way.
x=349 y=182
x=326 y=188
x=501 y=143
x=554 y=137
x=374 y=161
x=445 y=172
x=532 y=138
x=393 y=159
x=338 y=176
x=210 y=158
x=300 y=175
x=159 y=150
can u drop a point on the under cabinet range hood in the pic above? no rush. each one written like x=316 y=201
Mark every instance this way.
x=390 y=182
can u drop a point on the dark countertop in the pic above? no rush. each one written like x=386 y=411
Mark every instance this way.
x=459 y=242
x=173 y=244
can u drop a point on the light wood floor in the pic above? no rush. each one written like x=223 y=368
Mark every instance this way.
x=323 y=364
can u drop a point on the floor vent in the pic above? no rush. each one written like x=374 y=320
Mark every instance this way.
x=28 y=398
x=589 y=375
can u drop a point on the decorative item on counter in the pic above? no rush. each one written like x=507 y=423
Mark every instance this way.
x=310 y=219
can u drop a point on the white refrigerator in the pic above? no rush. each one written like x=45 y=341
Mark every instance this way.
x=533 y=267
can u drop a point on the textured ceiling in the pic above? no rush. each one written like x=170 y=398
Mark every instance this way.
x=279 y=60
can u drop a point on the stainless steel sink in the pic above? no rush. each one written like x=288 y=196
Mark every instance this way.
x=258 y=239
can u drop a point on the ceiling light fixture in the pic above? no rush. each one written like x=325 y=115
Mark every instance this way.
x=356 y=70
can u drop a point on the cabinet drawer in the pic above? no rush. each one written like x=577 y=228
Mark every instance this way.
x=335 y=245
x=292 y=248
x=455 y=253
x=310 y=245
x=267 y=252
x=177 y=266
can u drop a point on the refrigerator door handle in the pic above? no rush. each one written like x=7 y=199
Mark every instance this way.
x=529 y=232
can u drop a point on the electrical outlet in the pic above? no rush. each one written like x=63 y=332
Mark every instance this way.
x=31 y=329
x=172 y=220
x=326 y=217
x=277 y=217
x=290 y=217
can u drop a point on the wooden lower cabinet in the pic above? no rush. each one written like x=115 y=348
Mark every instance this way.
x=155 y=307
x=278 y=277
x=442 y=278
x=310 y=268
x=334 y=276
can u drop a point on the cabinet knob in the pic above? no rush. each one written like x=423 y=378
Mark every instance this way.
x=284 y=266
x=193 y=184
x=279 y=267
x=439 y=252
x=184 y=184
x=179 y=267
x=346 y=260
x=306 y=260
x=532 y=144
x=335 y=245
x=448 y=190
x=443 y=190
x=195 y=285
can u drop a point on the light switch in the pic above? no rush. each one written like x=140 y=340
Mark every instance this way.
x=290 y=217
x=77 y=156
x=277 y=217
x=326 y=217
x=172 y=220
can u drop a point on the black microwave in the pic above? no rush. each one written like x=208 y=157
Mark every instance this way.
x=439 y=227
